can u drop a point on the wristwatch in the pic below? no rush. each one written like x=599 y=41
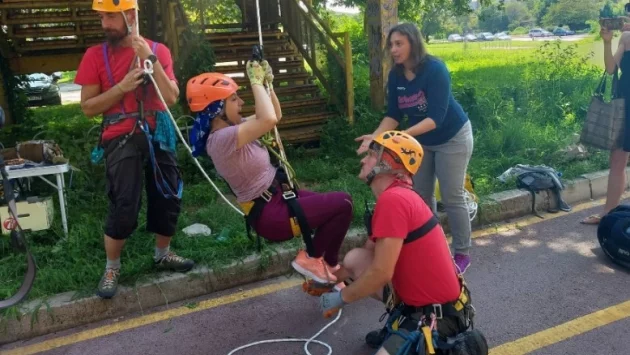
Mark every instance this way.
x=152 y=58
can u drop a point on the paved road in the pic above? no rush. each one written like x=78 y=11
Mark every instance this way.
x=70 y=93
x=535 y=287
x=571 y=38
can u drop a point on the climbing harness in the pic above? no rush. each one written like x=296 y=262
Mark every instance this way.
x=424 y=337
x=160 y=182
x=17 y=241
x=297 y=218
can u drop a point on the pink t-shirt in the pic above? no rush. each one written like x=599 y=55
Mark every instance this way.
x=248 y=170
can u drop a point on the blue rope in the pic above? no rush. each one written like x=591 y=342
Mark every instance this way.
x=166 y=139
x=157 y=172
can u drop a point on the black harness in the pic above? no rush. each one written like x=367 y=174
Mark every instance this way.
x=297 y=217
x=413 y=235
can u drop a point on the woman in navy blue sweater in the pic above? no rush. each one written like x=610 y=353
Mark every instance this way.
x=419 y=87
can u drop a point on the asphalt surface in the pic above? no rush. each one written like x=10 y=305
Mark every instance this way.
x=522 y=282
x=70 y=93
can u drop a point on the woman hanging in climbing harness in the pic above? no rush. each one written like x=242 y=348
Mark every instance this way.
x=274 y=210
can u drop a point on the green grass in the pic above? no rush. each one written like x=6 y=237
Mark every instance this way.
x=523 y=107
x=67 y=77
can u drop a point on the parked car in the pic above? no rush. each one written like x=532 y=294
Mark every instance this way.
x=539 y=32
x=470 y=37
x=486 y=36
x=502 y=36
x=455 y=38
x=42 y=89
x=559 y=31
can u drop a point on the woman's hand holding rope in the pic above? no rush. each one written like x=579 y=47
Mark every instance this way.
x=268 y=139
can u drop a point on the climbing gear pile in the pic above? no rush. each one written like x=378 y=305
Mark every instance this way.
x=470 y=198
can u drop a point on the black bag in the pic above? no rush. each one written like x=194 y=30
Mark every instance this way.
x=472 y=342
x=534 y=182
x=613 y=236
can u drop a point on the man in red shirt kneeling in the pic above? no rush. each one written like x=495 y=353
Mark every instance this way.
x=406 y=263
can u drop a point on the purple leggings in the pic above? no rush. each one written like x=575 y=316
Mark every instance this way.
x=329 y=214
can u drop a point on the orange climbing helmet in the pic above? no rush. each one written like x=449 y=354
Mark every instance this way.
x=114 y=5
x=206 y=88
x=402 y=147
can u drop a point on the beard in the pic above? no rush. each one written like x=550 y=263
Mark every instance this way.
x=114 y=37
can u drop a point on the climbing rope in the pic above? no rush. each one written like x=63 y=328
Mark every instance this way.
x=292 y=340
x=148 y=70
x=267 y=140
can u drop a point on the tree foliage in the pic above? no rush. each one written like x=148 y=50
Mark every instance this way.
x=573 y=13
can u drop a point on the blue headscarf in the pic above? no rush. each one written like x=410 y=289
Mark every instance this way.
x=201 y=127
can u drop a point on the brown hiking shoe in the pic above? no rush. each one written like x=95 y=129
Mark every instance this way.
x=174 y=262
x=108 y=284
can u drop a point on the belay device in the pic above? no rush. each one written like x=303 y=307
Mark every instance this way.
x=17 y=241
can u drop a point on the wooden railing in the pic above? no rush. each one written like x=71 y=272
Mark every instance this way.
x=316 y=42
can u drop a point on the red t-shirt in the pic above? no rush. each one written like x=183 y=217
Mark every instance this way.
x=92 y=71
x=425 y=272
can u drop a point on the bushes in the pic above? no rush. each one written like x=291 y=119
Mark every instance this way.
x=197 y=57
x=520 y=31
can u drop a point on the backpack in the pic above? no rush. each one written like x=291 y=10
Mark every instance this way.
x=614 y=237
x=536 y=179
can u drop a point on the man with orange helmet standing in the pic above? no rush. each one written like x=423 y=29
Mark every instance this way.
x=406 y=262
x=114 y=86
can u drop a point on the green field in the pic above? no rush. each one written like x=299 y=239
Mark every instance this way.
x=525 y=105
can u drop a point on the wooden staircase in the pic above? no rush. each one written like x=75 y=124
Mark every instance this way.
x=52 y=35
x=304 y=108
